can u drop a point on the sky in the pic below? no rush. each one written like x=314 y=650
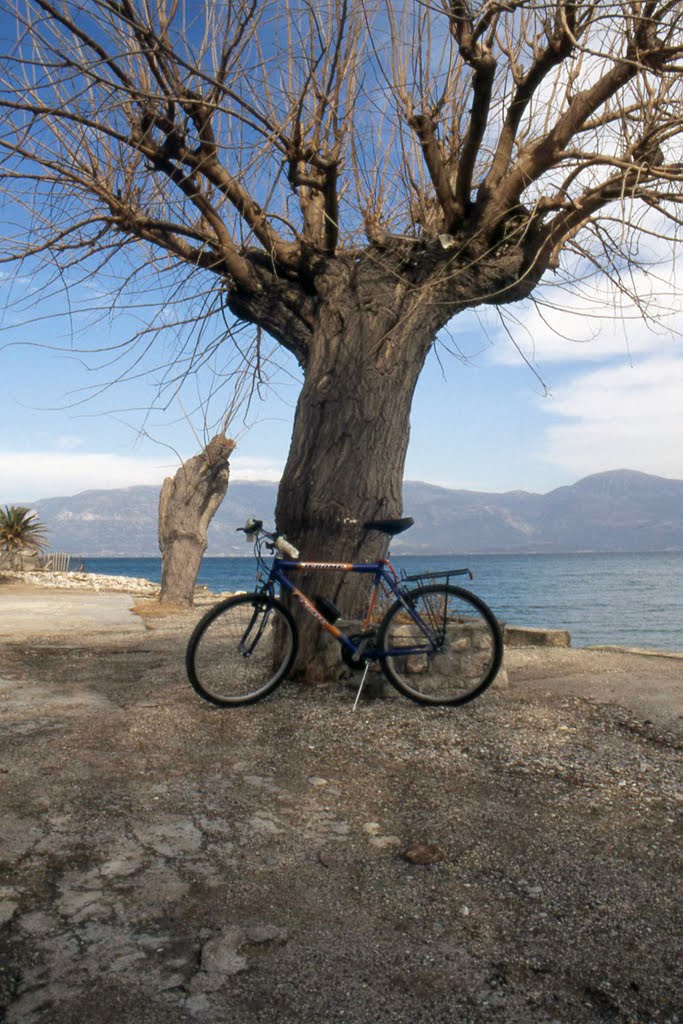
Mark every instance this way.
x=573 y=388
x=579 y=386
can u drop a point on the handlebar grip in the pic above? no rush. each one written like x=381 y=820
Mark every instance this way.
x=285 y=548
x=251 y=526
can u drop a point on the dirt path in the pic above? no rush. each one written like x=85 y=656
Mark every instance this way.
x=166 y=862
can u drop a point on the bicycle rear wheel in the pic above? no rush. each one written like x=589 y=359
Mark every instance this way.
x=241 y=650
x=442 y=645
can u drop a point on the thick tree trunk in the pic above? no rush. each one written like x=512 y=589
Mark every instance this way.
x=349 y=442
x=371 y=326
x=187 y=504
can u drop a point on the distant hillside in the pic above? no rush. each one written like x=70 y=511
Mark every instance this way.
x=616 y=511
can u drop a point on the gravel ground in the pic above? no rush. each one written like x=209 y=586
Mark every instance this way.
x=163 y=861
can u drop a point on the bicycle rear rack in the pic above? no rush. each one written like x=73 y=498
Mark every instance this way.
x=428 y=577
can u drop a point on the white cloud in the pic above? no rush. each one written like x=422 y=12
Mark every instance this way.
x=30 y=476
x=626 y=416
x=595 y=323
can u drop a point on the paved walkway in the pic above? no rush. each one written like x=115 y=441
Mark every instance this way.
x=32 y=611
x=648 y=684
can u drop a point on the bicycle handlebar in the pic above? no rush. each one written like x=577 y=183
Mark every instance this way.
x=251 y=526
x=254 y=527
x=285 y=548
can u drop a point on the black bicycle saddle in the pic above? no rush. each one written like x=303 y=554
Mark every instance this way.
x=390 y=526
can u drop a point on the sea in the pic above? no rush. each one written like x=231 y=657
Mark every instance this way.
x=627 y=600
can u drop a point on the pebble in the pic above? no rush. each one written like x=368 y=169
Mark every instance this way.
x=317 y=780
x=424 y=853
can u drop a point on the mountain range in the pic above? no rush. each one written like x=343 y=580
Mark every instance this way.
x=621 y=510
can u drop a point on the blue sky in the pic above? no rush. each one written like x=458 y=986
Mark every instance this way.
x=582 y=386
x=480 y=420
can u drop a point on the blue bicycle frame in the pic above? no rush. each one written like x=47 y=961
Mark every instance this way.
x=383 y=573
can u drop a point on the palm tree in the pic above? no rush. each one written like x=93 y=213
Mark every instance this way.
x=20 y=531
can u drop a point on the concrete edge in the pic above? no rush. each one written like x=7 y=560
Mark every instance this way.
x=528 y=636
x=643 y=652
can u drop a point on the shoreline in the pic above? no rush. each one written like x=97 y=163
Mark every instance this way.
x=428 y=554
x=80 y=581
x=138 y=587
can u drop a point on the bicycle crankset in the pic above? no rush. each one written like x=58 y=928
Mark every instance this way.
x=355 y=661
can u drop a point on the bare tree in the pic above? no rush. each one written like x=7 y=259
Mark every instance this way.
x=351 y=175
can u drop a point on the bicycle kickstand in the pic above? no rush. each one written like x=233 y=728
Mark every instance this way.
x=360 y=688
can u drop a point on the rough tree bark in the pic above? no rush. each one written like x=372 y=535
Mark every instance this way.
x=187 y=504
x=349 y=442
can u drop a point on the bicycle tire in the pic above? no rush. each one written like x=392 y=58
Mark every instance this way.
x=460 y=657
x=241 y=650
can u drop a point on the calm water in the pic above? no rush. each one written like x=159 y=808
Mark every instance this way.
x=629 y=600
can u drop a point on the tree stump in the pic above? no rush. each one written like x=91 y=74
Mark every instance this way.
x=187 y=503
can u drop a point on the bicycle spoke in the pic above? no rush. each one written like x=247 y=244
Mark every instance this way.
x=445 y=650
x=241 y=650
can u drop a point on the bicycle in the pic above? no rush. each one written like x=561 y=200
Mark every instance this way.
x=437 y=644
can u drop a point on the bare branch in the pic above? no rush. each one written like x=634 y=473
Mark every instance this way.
x=480 y=58
x=261 y=142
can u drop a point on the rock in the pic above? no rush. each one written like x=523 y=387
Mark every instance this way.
x=315 y=673
x=266 y=933
x=501 y=681
x=30 y=1004
x=341 y=828
x=317 y=780
x=265 y=824
x=373 y=828
x=7 y=911
x=171 y=982
x=384 y=842
x=37 y=922
x=119 y=867
x=173 y=837
x=197 y=1004
x=424 y=853
x=80 y=905
x=220 y=956
x=86 y=581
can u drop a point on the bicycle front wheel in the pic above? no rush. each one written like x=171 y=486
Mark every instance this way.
x=241 y=650
x=440 y=645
